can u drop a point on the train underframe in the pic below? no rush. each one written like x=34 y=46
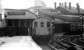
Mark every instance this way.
x=42 y=38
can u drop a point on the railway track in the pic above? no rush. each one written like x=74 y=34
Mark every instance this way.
x=44 y=44
x=62 y=44
x=66 y=43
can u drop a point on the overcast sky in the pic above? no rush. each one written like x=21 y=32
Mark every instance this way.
x=23 y=4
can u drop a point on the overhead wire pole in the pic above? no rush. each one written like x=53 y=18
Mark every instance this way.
x=39 y=3
x=37 y=9
x=81 y=21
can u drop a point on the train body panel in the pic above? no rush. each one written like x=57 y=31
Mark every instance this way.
x=18 y=22
x=2 y=24
x=61 y=27
x=19 y=26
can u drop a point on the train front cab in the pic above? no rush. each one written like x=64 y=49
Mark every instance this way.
x=42 y=28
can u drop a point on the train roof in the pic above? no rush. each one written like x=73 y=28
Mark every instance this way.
x=20 y=14
x=20 y=17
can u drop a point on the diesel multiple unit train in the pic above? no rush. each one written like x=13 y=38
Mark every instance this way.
x=16 y=23
x=20 y=24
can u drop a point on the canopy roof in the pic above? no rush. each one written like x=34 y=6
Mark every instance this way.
x=20 y=14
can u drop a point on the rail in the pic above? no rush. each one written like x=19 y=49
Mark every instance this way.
x=71 y=41
x=65 y=43
x=52 y=47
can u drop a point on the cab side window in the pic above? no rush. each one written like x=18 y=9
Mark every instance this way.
x=48 y=24
x=36 y=24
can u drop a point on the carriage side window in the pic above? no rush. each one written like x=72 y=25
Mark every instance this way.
x=42 y=24
x=36 y=24
x=9 y=22
x=16 y=23
x=48 y=24
x=13 y=24
x=19 y=23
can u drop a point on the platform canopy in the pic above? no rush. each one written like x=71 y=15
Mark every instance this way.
x=19 y=14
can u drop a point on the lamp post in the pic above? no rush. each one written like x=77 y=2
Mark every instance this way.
x=2 y=11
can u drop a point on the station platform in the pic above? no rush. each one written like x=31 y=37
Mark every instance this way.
x=18 y=43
